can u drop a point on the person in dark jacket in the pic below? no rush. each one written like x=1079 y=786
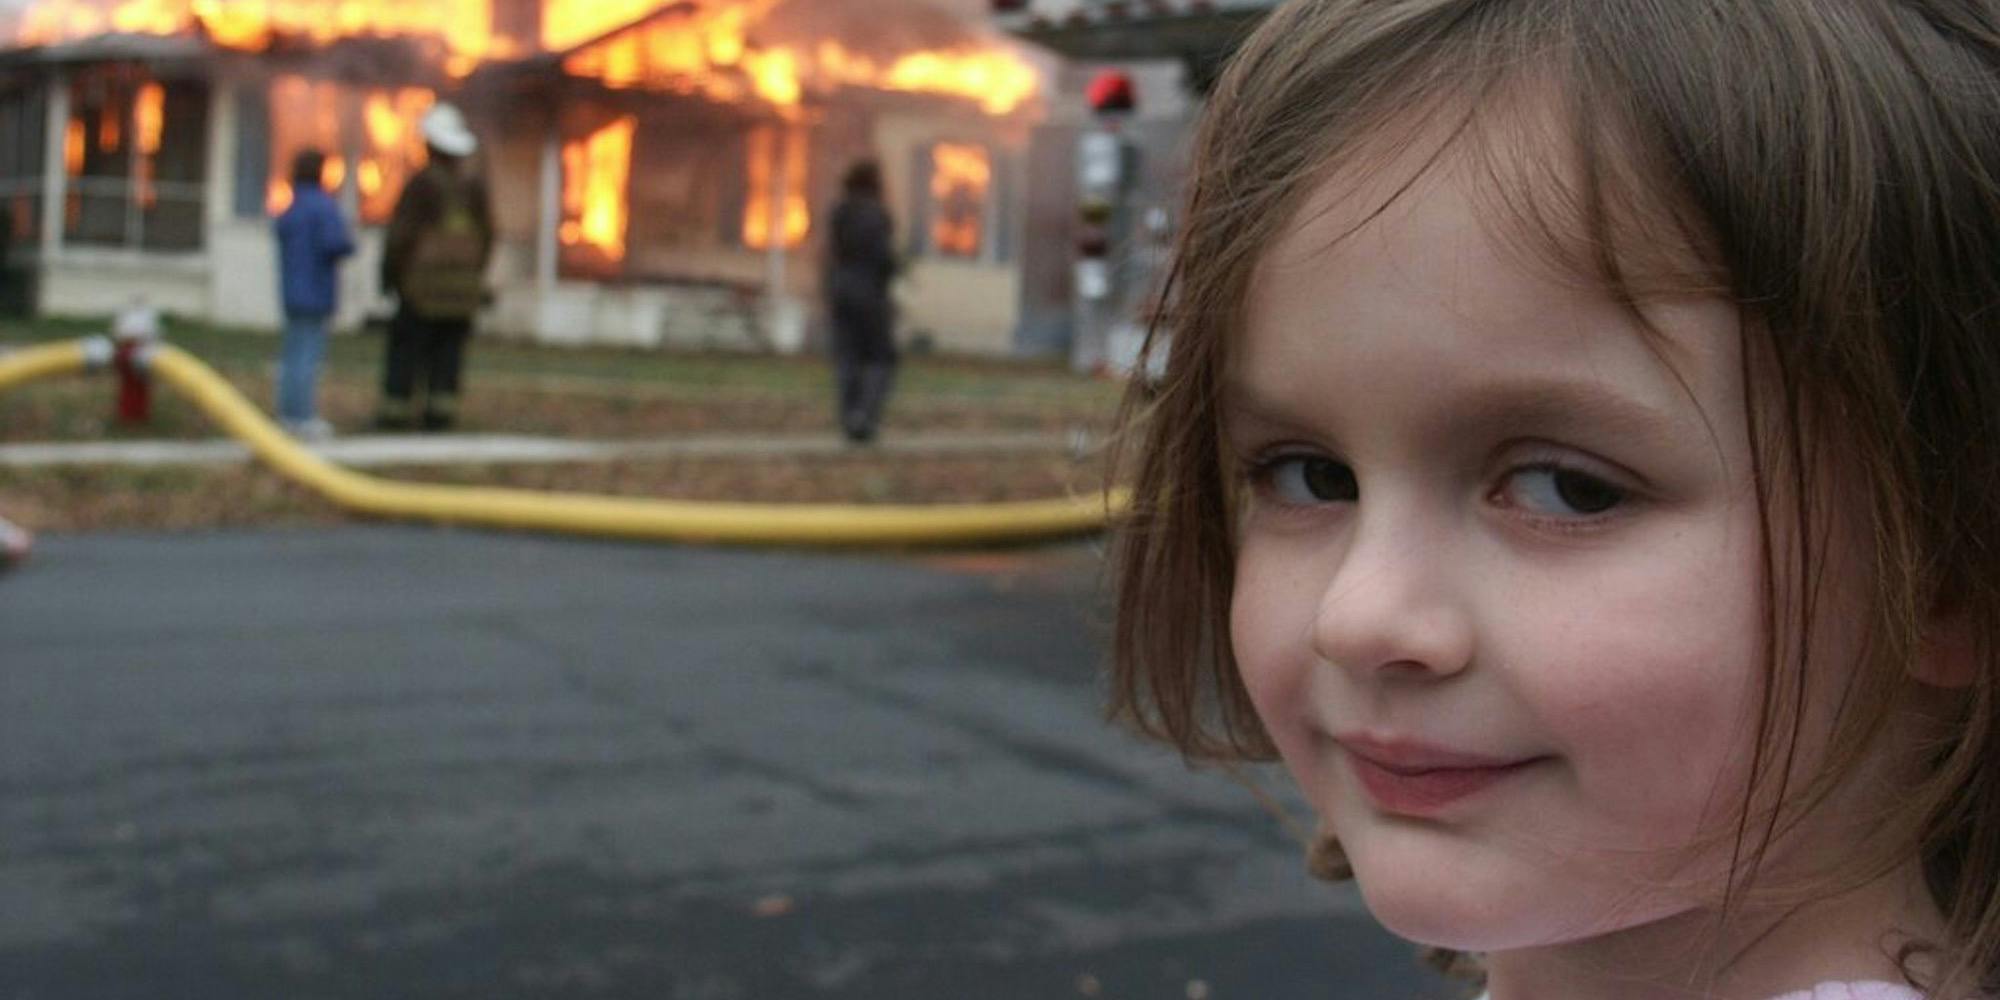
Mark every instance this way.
x=434 y=263
x=313 y=239
x=861 y=261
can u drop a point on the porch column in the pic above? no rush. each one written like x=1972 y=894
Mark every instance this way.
x=774 y=218
x=784 y=319
x=549 y=220
x=55 y=167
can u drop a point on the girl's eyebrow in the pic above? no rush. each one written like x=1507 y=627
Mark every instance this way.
x=1513 y=407
x=1529 y=406
x=1241 y=403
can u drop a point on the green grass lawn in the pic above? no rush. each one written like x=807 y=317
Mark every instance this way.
x=564 y=392
x=970 y=380
x=522 y=388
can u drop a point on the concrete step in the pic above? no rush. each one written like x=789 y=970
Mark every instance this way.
x=373 y=450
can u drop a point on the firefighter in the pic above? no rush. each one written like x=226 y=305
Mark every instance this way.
x=434 y=265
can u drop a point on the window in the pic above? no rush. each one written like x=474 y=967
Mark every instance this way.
x=774 y=154
x=135 y=151
x=666 y=194
x=960 y=203
x=370 y=137
x=596 y=199
x=961 y=185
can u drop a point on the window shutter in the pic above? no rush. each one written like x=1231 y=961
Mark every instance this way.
x=735 y=187
x=920 y=200
x=253 y=149
x=1002 y=219
x=14 y=148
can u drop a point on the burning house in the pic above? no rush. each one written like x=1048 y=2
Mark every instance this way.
x=657 y=166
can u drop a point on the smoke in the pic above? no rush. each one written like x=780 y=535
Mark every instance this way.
x=10 y=18
x=14 y=16
x=880 y=29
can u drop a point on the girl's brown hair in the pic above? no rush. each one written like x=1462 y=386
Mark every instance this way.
x=1834 y=165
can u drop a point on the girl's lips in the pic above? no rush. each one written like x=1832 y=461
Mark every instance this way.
x=1418 y=780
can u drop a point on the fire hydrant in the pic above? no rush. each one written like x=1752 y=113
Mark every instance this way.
x=135 y=331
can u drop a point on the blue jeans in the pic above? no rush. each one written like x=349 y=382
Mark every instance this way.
x=298 y=368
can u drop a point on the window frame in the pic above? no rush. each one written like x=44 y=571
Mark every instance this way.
x=140 y=197
x=996 y=242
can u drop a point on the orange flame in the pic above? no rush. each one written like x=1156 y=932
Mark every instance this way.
x=464 y=27
x=961 y=176
x=308 y=114
x=59 y=20
x=766 y=146
x=392 y=149
x=76 y=141
x=304 y=115
x=999 y=80
x=110 y=133
x=149 y=117
x=696 y=52
x=596 y=170
x=708 y=50
x=705 y=49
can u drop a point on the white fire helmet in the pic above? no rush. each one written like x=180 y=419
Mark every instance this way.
x=445 y=130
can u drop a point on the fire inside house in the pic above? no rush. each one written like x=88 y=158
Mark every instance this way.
x=657 y=166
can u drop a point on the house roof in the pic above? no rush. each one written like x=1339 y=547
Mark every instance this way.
x=116 y=46
x=1194 y=30
x=677 y=9
x=390 y=57
x=544 y=73
x=109 y=48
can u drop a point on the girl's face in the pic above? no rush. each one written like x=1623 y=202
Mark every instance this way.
x=1499 y=589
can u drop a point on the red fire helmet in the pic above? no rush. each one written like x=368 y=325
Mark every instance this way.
x=1112 y=90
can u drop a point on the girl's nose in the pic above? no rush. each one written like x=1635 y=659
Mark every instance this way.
x=1394 y=604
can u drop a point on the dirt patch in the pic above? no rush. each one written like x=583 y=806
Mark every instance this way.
x=94 y=499
x=74 y=499
x=80 y=410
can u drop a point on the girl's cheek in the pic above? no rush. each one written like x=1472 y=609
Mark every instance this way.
x=1645 y=683
x=1270 y=625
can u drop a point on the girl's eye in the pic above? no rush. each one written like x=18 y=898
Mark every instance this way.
x=1555 y=491
x=1304 y=480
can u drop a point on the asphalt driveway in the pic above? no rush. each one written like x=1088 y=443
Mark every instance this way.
x=400 y=762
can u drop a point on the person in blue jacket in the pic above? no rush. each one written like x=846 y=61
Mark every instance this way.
x=313 y=238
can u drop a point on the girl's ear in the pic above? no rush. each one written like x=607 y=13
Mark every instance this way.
x=1948 y=656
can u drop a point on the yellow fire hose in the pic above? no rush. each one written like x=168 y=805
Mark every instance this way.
x=531 y=510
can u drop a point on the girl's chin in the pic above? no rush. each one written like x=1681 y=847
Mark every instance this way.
x=1463 y=913
x=1465 y=918
x=1453 y=931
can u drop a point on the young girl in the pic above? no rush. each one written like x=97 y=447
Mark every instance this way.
x=1578 y=461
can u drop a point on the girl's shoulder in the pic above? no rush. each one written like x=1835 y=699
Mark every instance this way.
x=1854 y=991
x=1845 y=991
